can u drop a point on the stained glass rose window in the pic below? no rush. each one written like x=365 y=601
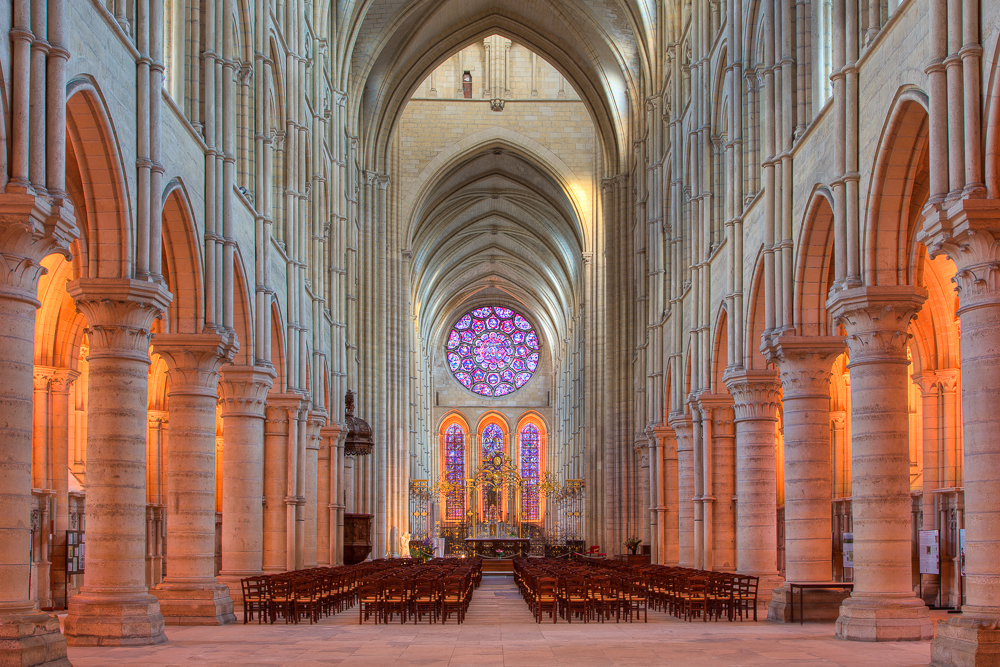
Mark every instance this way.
x=492 y=351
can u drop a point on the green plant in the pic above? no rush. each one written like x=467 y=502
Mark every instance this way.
x=632 y=544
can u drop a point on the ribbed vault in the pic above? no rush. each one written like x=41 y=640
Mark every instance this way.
x=496 y=226
x=596 y=44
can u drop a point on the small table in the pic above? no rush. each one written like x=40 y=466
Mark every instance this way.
x=814 y=586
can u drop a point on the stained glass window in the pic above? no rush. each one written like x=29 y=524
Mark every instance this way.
x=530 y=464
x=454 y=464
x=492 y=351
x=492 y=440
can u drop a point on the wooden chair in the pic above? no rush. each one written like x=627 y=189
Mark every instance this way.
x=425 y=598
x=255 y=599
x=369 y=601
x=281 y=599
x=745 y=595
x=306 y=599
x=573 y=597
x=394 y=599
x=604 y=599
x=635 y=598
x=694 y=598
x=720 y=595
x=546 y=598
x=452 y=599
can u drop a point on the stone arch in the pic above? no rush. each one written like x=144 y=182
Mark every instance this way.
x=991 y=119
x=814 y=266
x=897 y=192
x=58 y=325
x=535 y=419
x=278 y=348
x=720 y=350
x=182 y=261
x=242 y=313
x=756 y=324
x=450 y=419
x=97 y=184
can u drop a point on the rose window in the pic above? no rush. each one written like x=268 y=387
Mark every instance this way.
x=492 y=351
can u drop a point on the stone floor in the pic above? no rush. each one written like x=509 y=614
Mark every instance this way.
x=500 y=632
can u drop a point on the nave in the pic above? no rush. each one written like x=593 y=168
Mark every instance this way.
x=499 y=631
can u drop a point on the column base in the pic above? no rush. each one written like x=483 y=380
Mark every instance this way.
x=817 y=605
x=884 y=619
x=32 y=641
x=766 y=585
x=234 y=581
x=965 y=641
x=114 y=620
x=195 y=604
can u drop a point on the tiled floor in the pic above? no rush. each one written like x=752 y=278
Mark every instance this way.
x=500 y=632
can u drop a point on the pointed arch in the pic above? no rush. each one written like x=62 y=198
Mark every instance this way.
x=182 y=261
x=814 y=265
x=453 y=446
x=531 y=447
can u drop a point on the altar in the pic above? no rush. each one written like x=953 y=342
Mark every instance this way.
x=497 y=547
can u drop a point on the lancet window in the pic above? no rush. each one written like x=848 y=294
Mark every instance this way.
x=530 y=472
x=454 y=462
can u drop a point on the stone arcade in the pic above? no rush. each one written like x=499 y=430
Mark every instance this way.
x=721 y=276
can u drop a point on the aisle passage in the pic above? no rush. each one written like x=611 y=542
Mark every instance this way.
x=500 y=632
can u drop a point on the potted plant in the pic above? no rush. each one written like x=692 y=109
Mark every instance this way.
x=422 y=551
x=633 y=544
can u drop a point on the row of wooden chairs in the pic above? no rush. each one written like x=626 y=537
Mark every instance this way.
x=438 y=596
x=572 y=591
x=324 y=591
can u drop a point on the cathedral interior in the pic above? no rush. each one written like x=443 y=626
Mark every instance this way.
x=294 y=284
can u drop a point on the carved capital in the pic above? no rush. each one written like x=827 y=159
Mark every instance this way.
x=804 y=363
x=876 y=320
x=968 y=232
x=193 y=360
x=119 y=313
x=243 y=390
x=756 y=394
x=31 y=227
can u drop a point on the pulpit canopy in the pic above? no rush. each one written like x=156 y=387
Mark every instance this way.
x=359 y=433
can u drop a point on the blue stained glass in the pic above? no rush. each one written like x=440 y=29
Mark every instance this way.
x=494 y=348
x=530 y=472
x=454 y=463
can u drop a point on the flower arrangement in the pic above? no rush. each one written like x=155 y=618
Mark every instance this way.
x=633 y=543
x=422 y=551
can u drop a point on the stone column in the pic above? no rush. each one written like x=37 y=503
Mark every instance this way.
x=190 y=594
x=642 y=451
x=804 y=364
x=313 y=424
x=61 y=381
x=681 y=423
x=930 y=398
x=719 y=465
x=114 y=607
x=882 y=606
x=666 y=509
x=242 y=399
x=756 y=400
x=41 y=473
x=329 y=492
x=968 y=233
x=275 y=519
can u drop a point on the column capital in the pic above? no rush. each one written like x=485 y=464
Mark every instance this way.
x=876 y=320
x=30 y=228
x=243 y=390
x=119 y=313
x=193 y=360
x=804 y=363
x=968 y=232
x=756 y=394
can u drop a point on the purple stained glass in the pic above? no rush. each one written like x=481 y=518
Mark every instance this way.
x=530 y=472
x=493 y=351
x=454 y=464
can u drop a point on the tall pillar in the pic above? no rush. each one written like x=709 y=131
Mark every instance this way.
x=882 y=606
x=314 y=424
x=189 y=593
x=968 y=233
x=328 y=512
x=242 y=399
x=114 y=607
x=756 y=399
x=931 y=432
x=804 y=364
x=666 y=509
x=41 y=473
x=718 y=463
x=61 y=381
x=681 y=423
x=275 y=520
